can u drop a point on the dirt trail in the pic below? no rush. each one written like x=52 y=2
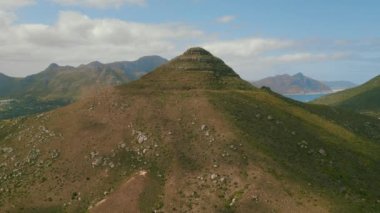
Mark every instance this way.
x=126 y=198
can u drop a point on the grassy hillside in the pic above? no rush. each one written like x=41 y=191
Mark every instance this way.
x=364 y=98
x=325 y=155
x=29 y=106
x=190 y=140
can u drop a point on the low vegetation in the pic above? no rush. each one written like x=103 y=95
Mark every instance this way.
x=330 y=162
x=363 y=99
x=185 y=139
x=29 y=106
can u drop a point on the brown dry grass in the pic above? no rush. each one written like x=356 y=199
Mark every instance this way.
x=173 y=122
x=125 y=199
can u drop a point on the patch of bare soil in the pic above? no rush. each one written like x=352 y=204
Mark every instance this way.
x=125 y=199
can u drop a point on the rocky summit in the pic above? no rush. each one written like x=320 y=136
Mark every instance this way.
x=199 y=59
x=191 y=136
x=195 y=69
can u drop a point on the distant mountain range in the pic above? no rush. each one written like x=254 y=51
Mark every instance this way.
x=301 y=84
x=364 y=98
x=296 y=84
x=339 y=85
x=58 y=86
x=67 y=82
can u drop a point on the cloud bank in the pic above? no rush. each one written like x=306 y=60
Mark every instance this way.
x=76 y=38
x=13 y=4
x=226 y=19
x=101 y=3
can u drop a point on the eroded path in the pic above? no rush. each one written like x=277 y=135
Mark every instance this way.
x=126 y=198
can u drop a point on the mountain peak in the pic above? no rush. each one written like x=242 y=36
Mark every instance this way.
x=196 y=68
x=197 y=51
x=95 y=64
x=152 y=57
x=300 y=75
x=53 y=66
x=200 y=60
x=295 y=84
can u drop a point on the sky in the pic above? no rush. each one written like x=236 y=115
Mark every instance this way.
x=324 y=39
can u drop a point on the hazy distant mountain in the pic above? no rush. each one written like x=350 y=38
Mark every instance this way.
x=60 y=85
x=364 y=98
x=339 y=85
x=7 y=84
x=69 y=82
x=296 y=84
x=191 y=136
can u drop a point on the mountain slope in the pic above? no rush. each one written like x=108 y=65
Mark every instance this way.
x=57 y=85
x=364 y=98
x=66 y=82
x=6 y=85
x=296 y=84
x=190 y=136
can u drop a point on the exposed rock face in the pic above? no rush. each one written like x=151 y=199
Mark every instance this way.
x=204 y=61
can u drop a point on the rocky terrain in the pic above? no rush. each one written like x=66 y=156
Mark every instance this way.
x=190 y=136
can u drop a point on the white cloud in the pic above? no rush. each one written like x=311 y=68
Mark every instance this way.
x=6 y=18
x=247 y=47
x=101 y=3
x=226 y=19
x=306 y=57
x=7 y=8
x=13 y=4
x=256 y=58
x=76 y=38
x=262 y=49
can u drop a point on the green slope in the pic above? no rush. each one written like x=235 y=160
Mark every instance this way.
x=312 y=144
x=364 y=98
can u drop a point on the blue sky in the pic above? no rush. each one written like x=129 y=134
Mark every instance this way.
x=328 y=40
